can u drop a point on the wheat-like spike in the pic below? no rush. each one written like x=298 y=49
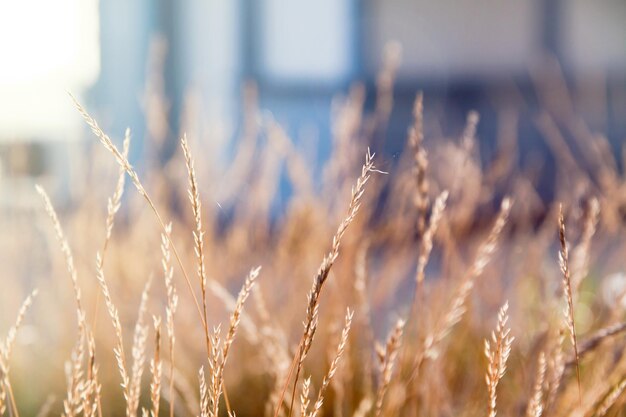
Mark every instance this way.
x=73 y=404
x=218 y=372
x=214 y=364
x=457 y=307
x=230 y=303
x=170 y=309
x=6 y=347
x=497 y=354
x=91 y=394
x=67 y=252
x=427 y=237
x=118 y=350
x=110 y=146
x=535 y=405
x=77 y=387
x=198 y=233
x=140 y=338
x=567 y=289
x=115 y=201
x=123 y=162
x=156 y=369
x=310 y=324
x=338 y=384
x=304 y=397
x=235 y=317
x=85 y=397
x=113 y=205
x=204 y=394
x=484 y=255
x=334 y=364
x=386 y=367
x=486 y=250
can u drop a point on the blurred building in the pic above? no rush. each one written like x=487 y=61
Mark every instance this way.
x=465 y=54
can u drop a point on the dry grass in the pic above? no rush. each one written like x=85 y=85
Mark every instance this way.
x=421 y=259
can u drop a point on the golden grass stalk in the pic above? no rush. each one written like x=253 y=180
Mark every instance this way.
x=138 y=352
x=198 y=237
x=198 y=233
x=345 y=374
x=425 y=250
x=567 y=289
x=115 y=201
x=6 y=347
x=535 y=405
x=428 y=235
x=67 y=252
x=204 y=394
x=92 y=394
x=156 y=369
x=497 y=354
x=235 y=317
x=219 y=365
x=170 y=309
x=310 y=324
x=113 y=205
x=484 y=255
x=214 y=363
x=78 y=390
x=230 y=303
x=457 y=308
x=118 y=350
x=343 y=341
x=123 y=162
x=73 y=404
x=305 y=401
x=387 y=360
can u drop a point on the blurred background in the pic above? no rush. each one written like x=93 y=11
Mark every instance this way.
x=279 y=100
x=161 y=67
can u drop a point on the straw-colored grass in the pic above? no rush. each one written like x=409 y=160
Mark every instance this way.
x=419 y=258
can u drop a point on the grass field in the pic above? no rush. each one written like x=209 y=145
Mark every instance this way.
x=435 y=285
